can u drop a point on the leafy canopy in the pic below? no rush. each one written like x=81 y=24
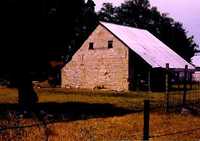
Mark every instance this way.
x=139 y=14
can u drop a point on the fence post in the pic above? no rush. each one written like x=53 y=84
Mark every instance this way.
x=167 y=88
x=185 y=85
x=146 y=120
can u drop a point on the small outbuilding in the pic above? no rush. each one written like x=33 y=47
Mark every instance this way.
x=196 y=63
x=119 y=57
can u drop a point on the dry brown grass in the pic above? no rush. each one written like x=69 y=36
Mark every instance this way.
x=128 y=126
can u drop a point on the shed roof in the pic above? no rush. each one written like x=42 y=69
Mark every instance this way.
x=147 y=46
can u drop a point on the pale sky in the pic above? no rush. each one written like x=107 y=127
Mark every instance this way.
x=185 y=11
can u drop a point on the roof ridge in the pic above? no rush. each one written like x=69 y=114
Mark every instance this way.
x=127 y=26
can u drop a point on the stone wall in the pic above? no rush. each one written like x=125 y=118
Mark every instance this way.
x=101 y=67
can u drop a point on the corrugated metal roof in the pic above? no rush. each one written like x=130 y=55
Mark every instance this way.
x=151 y=49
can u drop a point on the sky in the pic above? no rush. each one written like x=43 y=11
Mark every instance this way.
x=185 y=11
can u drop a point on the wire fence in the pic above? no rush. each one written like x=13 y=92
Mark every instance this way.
x=181 y=94
x=182 y=91
x=179 y=87
x=16 y=128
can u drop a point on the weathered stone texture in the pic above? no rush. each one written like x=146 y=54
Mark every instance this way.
x=101 y=67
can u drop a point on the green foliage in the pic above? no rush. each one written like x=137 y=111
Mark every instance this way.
x=139 y=14
x=84 y=23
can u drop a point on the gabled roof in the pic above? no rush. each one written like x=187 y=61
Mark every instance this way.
x=147 y=46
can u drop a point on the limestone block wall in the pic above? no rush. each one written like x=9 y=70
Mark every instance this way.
x=100 y=67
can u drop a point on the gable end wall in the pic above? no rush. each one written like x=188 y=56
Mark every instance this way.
x=100 y=67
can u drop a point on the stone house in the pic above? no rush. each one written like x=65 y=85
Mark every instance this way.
x=114 y=56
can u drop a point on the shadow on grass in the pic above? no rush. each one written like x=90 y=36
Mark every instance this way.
x=70 y=111
x=54 y=113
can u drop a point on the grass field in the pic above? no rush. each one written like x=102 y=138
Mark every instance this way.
x=82 y=115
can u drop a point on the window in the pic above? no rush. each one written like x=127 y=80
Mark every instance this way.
x=110 y=44
x=91 y=45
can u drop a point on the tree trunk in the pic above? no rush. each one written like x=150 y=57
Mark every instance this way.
x=27 y=97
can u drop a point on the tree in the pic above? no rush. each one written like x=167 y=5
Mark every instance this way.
x=83 y=24
x=139 y=14
x=107 y=13
x=33 y=33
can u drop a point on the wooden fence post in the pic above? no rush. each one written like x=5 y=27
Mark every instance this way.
x=146 y=120
x=185 y=85
x=167 y=88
